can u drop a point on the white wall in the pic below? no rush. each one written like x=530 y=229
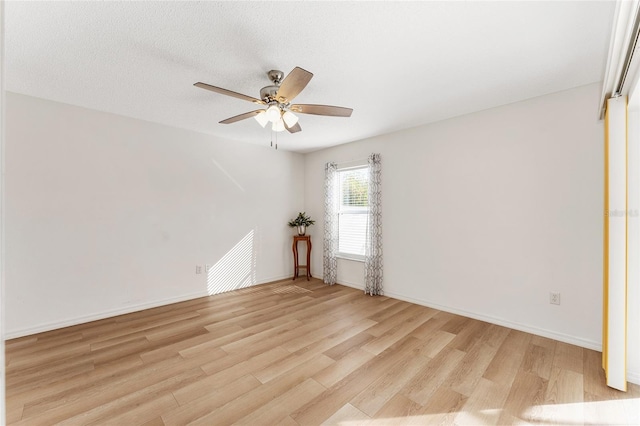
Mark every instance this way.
x=633 y=236
x=107 y=214
x=487 y=213
x=2 y=301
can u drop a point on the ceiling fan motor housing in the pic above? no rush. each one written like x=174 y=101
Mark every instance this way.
x=268 y=93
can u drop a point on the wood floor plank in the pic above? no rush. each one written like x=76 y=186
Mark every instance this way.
x=464 y=379
x=484 y=405
x=200 y=404
x=38 y=344
x=343 y=367
x=435 y=343
x=140 y=414
x=538 y=360
x=254 y=399
x=114 y=411
x=407 y=314
x=526 y=395
x=14 y=345
x=46 y=376
x=456 y=324
x=432 y=375
x=320 y=330
x=137 y=323
x=216 y=343
x=495 y=335
x=346 y=415
x=266 y=316
x=343 y=349
x=388 y=309
x=467 y=337
x=283 y=404
x=434 y=324
x=228 y=375
x=400 y=407
x=264 y=338
x=169 y=350
x=321 y=407
x=443 y=406
x=304 y=353
x=564 y=397
x=40 y=391
x=287 y=421
x=89 y=395
x=506 y=364
x=378 y=393
x=154 y=422
x=400 y=331
x=568 y=357
x=44 y=356
x=13 y=411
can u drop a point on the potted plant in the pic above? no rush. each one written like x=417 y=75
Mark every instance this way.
x=301 y=222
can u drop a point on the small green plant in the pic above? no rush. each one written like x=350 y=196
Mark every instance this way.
x=302 y=219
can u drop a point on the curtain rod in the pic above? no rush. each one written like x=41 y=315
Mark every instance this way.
x=630 y=51
x=622 y=46
x=356 y=160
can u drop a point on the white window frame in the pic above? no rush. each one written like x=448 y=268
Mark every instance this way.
x=351 y=210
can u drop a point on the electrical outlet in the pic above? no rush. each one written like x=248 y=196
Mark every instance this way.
x=198 y=269
x=554 y=298
x=207 y=268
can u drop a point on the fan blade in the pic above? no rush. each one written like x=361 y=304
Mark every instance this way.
x=334 y=111
x=228 y=93
x=241 y=117
x=294 y=129
x=293 y=84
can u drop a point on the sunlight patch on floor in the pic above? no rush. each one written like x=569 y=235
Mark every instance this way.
x=615 y=411
x=289 y=289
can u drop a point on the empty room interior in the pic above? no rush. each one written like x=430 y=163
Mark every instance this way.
x=301 y=213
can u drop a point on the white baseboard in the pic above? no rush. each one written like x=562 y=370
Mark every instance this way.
x=585 y=343
x=102 y=315
x=632 y=376
x=352 y=285
x=13 y=334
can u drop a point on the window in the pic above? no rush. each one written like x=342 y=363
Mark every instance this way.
x=353 y=211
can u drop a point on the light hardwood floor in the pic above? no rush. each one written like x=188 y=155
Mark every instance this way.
x=303 y=353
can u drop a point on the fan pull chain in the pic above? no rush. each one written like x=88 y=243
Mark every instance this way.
x=276 y=133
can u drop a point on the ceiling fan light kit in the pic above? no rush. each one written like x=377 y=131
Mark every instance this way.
x=273 y=113
x=290 y=118
x=261 y=118
x=278 y=125
x=277 y=99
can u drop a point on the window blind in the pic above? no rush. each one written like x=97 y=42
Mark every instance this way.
x=352 y=212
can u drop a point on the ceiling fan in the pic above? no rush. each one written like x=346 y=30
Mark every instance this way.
x=279 y=111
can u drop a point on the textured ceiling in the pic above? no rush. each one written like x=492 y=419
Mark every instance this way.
x=397 y=64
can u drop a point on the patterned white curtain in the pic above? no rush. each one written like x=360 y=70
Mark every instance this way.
x=330 y=261
x=373 y=248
